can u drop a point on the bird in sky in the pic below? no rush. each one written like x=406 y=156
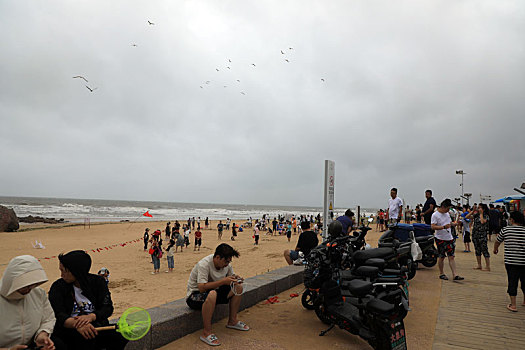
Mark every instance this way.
x=225 y=86
x=238 y=80
x=282 y=53
x=229 y=60
x=207 y=81
x=134 y=45
x=253 y=64
x=81 y=77
x=287 y=60
x=242 y=93
x=90 y=89
x=151 y=23
x=217 y=69
x=201 y=87
x=322 y=79
x=228 y=67
x=290 y=48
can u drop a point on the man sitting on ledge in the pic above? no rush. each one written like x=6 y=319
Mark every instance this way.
x=212 y=282
x=306 y=242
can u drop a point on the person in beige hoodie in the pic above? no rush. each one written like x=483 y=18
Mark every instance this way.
x=26 y=314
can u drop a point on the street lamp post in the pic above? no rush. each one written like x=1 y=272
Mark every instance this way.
x=461 y=172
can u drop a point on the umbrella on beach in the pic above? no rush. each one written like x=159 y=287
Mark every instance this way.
x=508 y=199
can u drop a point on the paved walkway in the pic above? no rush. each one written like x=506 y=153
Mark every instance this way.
x=472 y=313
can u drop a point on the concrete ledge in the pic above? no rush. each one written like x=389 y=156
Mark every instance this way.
x=174 y=320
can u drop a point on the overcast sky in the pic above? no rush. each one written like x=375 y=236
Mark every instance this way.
x=412 y=91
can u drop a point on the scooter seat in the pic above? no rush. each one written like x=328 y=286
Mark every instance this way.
x=367 y=271
x=392 y=272
x=398 y=280
x=377 y=262
x=424 y=239
x=359 y=288
x=380 y=307
x=361 y=256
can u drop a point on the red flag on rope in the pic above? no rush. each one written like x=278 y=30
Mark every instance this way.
x=147 y=214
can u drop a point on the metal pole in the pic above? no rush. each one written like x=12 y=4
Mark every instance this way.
x=462 y=188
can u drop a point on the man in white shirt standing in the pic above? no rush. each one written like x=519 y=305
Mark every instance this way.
x=212 y=282
x=395 y=207
x=446 y=245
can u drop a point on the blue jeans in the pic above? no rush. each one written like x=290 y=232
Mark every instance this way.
x=156 y=262
x=170 y=262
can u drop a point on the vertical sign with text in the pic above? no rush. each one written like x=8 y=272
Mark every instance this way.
x=328 y=205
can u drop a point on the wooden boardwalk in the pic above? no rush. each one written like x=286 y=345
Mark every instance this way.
x=472 y=313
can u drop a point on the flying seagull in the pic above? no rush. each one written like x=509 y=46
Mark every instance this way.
x=253 y=64
x=322 y=79
x=217 y=69
x=90 y=89
x=225 y=86
x=151 y=23
x=229 y=60
x=287 y=60
x=290 y=48
x=201 y=87
x=282 y=53
x=81 y=77
x=134 y=45
x=228 y=67
x=242 y=93
x=207 y=81
x=238 y=80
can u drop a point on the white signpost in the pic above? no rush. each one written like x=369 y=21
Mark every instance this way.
x=329 y=183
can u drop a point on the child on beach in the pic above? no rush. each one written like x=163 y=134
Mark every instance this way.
x=220 y=227
x=187 y=236
x=198 y=239
x=234 y=232
x=169 y=256
x=104 y=272
x=256 y=234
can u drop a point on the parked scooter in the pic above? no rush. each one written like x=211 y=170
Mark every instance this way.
x=353 y=308
x=423 y=236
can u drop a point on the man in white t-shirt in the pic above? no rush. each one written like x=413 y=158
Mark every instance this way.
x=395 y=207
x=212 y=282
x=446 y=245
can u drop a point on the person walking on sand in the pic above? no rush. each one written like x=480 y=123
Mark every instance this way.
x=446 y=246
x=220 y=227
x=198 y=240
x=169 y=256
x=480 y=231
x=179 y=241
x=146 y=239
x=168 y=230
x=156 y=254
x=212 y=281
x=234 y=232
x=256 y=233
x=206 y=223
x=513 y=236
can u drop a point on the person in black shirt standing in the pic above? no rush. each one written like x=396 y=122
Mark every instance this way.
x=306 y=242
x=428 y=207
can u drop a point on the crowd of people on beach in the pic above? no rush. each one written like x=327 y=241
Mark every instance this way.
x=79 y=301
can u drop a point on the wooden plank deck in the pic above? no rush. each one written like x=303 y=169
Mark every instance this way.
x=472 y=313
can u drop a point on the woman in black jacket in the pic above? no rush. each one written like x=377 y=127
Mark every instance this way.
x=81 y=302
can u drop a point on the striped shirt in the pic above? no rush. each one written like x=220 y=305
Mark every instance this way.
x=514 y=238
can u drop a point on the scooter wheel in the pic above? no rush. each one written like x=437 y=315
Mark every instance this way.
x=412 y=269
x=308 y=298
x=429 y=261
x=320 y=311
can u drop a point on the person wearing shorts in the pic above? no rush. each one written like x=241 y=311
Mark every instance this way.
x=441 y=223
x=212 y=281
x=306 y=242
x=198 y=239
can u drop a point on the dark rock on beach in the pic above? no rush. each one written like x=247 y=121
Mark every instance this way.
x=32 y=219
x=8 y=220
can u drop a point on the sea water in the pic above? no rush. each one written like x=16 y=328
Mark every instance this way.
x=97 y=210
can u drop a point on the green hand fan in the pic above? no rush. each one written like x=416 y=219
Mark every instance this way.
x=134 y=324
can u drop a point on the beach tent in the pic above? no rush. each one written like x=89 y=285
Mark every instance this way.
x=508 y=199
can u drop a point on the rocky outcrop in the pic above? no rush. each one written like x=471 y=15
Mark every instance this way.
x=32 y=219
x=8 y=220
